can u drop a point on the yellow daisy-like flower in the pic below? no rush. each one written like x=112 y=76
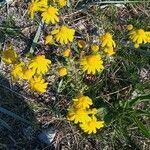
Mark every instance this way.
x=78 y=115
x=81 y=44
x=40 y=64
x=92 y=63
x=129 y=27
x=50 y=15
x=35 y=6
x=28 y=73
x=82 y=102
x=138 y=36
x=49 y=39
x=38 y=84
x=92 y=125
x=9 y=56
x=64 y=35
x=107 y=40
x=67 y=53
x=94 y=48
x=62 y=71
x=61 y=3
x=109 y=51
x=17 y=71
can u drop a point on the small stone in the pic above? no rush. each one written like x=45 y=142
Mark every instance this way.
x=47 y=136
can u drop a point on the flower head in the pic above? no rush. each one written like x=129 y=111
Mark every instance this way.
x=49 y=39
x=62 y=71
x=37 y=5
x=81 y=44
x=9 y=56
x=28 y=73
x=78 y=115
x=67 y=53
x=138 y=36
x=50 y=15
x=107 y=40
x=61 y=3
x=129 y=27
x=40 y=64
x=17 y=71
x=92 y=63
x=64 y=35
x=82 y=102
x=38 y=84
x=91 y=125
x=109 y=51
x=94 y=48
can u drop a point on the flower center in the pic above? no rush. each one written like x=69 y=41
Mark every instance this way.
x=91 y=60
x=140 y=32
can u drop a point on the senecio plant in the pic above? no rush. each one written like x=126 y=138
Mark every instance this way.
x=32 y=71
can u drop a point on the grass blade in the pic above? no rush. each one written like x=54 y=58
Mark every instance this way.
x=4 y=124
x=5 y=111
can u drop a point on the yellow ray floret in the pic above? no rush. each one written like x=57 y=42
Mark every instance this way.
x=78 y=115
x=62 y=71
x=37 y=6
x=107 y=40
x=67 y=53
x=38 y=84
x=40 y=64
x=9 y=56
x=50 y=15
x=92 y=125
x=61 y=3
x=82 y=102
x=17 y=71
x=92 y=63
x=64 y=35
x=138 y=36
x=28 y=73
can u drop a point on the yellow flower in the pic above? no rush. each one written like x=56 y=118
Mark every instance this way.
x=28 y=73
x=129 y=27
x=49 y=39
x=40 y=64
x=92 y=63
x=9 y=56
x=138 y=36
x=17 y=71
x=148 y=36
x=64 y=35
x=109 y=51
x=92 y=125
x=50 y=15
x=38 y=84
x=82 y=102
x=61 y=3
x=35 y=6
x=62 y=71
x=81 y=44
x=107 y=40
x=78 y=115
x=67 y=53
x=94 y=48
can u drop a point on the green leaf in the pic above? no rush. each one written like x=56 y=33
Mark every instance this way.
x=5 y=111
x=4 y=124
x=143 y=129
x=139 y=99
x=36 y=38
